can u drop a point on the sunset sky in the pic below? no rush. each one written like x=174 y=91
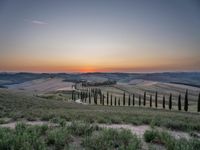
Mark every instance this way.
x=99 y=35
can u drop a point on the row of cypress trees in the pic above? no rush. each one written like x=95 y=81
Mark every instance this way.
x=95 y=93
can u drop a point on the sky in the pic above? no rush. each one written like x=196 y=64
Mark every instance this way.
x=99 y=35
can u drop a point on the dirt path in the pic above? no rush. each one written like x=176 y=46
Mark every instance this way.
x=79 y=102
x=39 y=123
x=138 y=130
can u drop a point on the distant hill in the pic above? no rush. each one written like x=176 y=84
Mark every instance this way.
x=186 y=78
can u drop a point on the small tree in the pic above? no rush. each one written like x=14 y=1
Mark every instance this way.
x=144 y=102
x=115 y=101
x=139 y=100
x=124 y=97
x=186 y=101
x=179 y=102
x=133 y=99
x=129 y=100
x=163 y=102
x=107 y=98
x=198 y=107
x=150 y=101
x=156 y=99
x=170 y=101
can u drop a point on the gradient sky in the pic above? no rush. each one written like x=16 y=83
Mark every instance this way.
x=103 y=35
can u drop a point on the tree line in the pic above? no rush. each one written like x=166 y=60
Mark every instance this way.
x=95 y=94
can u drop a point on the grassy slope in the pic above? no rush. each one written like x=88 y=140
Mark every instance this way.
x=20 y=106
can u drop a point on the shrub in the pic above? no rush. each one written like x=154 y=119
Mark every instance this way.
x=81 y=128
x=22 y=138
x=112 y=139
x=150 y=136
x=170 y=142
x=58 y=137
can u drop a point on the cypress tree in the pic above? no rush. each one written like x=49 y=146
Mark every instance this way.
x=163 y=102
x=156 y=99
x=111 y=99
x=133 y=99
x=150 y=101
x=144 y=102
x=89 y=98
x=107 y=98
x=72 y=95
x=115 y=101
x=86 y=96
x=179 y=102
x=119 y=102
x=94 y=97
x=139 y=100
x=103 y=99
x=81 y=95
x=186 y=101
x=124 y=97
x=198 y=107
x=129 y=100
x=170 y=101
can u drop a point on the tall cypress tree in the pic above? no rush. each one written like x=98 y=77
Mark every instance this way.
x=107 y=98
x=133 y=99
x=72 y=95
x=179 y=102
x=144 y=102
x=139 y=100
x=170 y=101
x=163 y=102
x=89 y=98
x=111 y=99
x=124 y=97
x=81 y=96
x=115 y=101
x=119 y=102
x=95 y=98
x=150 y=101
x=186 y=101
x=129 y=100
x=198 y=107
x=103 y=99
x=156 y=99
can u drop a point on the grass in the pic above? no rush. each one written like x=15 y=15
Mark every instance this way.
x=25 y=137
x=20 y=106
x=164 y=138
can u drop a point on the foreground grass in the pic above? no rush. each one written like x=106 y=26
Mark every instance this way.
x=25 y=137
x=170 y=142
x=19 y=106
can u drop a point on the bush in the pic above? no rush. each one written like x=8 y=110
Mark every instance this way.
x=22 y=138
x=79 y=128
x=170 y=142
x=150 y=136
x=58 y=137
x=112 y=139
